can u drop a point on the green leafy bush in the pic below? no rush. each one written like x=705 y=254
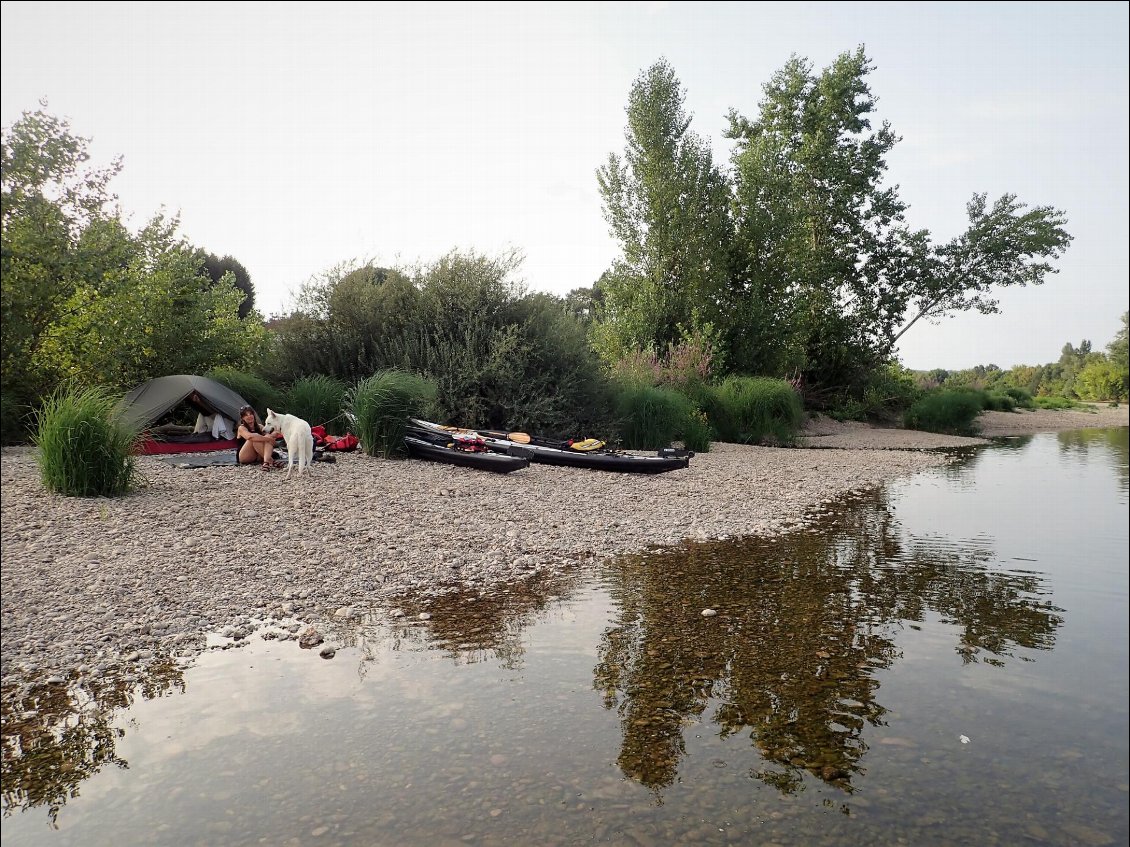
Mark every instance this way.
x=255 y=390
x=319 y=400
x=757 y=409
x=381 y=406
x=946 y=411
x=85 y=450
x=1021 y=396
x=1056 y=403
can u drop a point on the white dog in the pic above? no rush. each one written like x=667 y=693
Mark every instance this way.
x=296 y=433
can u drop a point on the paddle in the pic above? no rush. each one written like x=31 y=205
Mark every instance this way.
x=520 y=437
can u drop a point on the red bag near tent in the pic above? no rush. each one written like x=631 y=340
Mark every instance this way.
x=336 y=443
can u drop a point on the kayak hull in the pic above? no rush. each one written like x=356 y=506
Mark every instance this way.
x=432 y=451
x=548 y=452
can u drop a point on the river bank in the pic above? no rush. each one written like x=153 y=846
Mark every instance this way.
x=92 y=586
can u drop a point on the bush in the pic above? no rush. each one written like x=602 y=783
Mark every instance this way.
x=1021 y=396
x=1056 y=403
x=319 y=400
x=946 y=411
x=381 y=406
x=999 y=401
x=650 y=417
x=85 y=450
x=757 y=409
x=256 y=391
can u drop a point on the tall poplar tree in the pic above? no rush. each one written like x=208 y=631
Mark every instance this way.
x=666 y=203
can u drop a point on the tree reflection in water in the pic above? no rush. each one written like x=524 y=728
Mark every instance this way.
x=58 y=734
x=803 y=623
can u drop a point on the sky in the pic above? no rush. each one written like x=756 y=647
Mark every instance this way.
x=299 y=136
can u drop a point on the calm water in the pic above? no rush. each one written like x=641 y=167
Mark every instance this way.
x=943 y=663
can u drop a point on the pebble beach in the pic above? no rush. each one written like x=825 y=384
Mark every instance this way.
x=95 y=585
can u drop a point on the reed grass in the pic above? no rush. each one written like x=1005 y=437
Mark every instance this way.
x=755 y=410
x=84 y=447
x=947 y=411
x=320 y=401
x=381 y=406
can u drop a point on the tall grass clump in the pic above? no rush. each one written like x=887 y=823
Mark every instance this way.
x=255 y=390
x=755 y=410
x=947 y=411
x=319 y=400
x=651 y=417
x=381 y=406
x=85 y=449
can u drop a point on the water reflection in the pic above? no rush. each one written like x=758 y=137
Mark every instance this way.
x=802 y=626
x=58 y=733
x=1112 y=443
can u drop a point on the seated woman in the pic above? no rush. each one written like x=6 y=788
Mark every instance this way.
x=252 y=444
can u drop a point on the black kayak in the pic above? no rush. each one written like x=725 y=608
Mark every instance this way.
x=547 y=451
x=419 y=446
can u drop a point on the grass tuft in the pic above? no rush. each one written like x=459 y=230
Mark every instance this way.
x=85 y=450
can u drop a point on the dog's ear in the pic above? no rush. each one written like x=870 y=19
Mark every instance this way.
x=269 y=412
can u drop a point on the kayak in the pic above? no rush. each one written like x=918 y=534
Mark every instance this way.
x=424 y=446
x=549 y=451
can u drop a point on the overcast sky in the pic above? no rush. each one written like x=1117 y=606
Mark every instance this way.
x=296 y=136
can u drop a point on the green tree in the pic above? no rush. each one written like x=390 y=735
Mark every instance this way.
x=216 y=267
x=1117 y=349
x=84 y=299
x=1004 y=246
x=831 y=275
x=1101 y=379
x=53 y=208
x=824 y=252
x=156 y=314
x=666 y=204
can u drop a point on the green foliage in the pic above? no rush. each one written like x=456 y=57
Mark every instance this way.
x=381 y=405
x=666 y=204
x=1101 y=379
x=319 y=400
x=85 y=450
x=1117 y=349
x=217 y=268
x=950 y=411
x=651 y=417
x=1056 y=402
x=754 y=410
x=87 y=302
x=1021 y=397
x=696 y=432
x=501 y=358
x=260 y=394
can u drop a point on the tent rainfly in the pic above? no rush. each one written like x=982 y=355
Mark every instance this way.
x=146 y=404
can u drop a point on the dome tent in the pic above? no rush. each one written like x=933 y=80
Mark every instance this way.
x=146 y=404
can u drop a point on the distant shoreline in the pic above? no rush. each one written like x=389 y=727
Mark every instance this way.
x=822 y=432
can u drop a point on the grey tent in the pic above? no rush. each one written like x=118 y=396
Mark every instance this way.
x=147 y=403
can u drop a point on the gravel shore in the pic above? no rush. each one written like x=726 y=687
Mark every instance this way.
x=95 y=585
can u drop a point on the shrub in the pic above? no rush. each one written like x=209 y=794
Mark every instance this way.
x=999 y=401
x=946 y=411
x=319 y=400
x=85 y=450
x=1056 y=402
x=650 y=417
x=381 y=406
x=756 y=409
x=256 y=391
x=1021 y=396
